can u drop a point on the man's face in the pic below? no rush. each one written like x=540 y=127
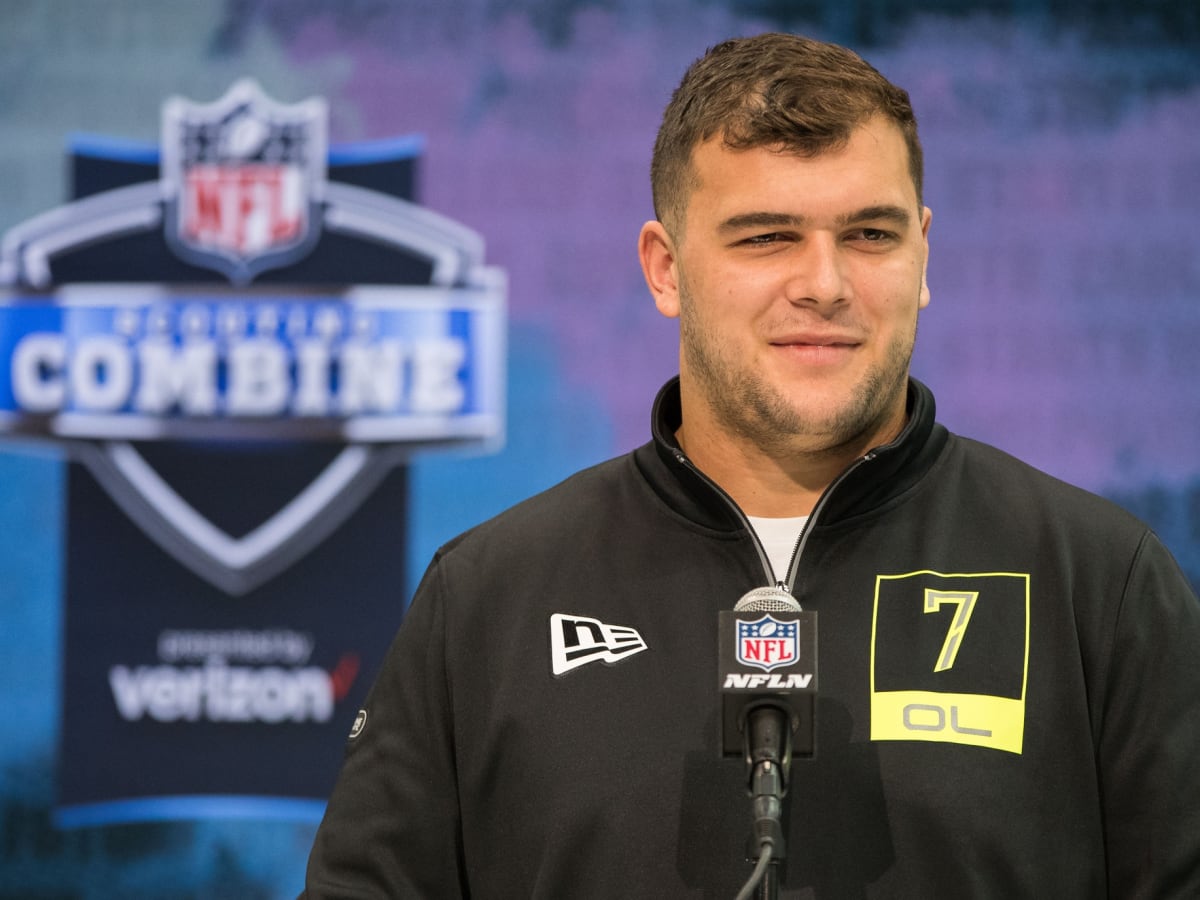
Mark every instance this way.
x=797 y=282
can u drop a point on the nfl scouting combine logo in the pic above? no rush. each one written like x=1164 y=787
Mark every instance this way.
x=260 y=297
x=767 y=643
x=238 y=333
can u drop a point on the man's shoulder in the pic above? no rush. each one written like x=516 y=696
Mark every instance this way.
x=1014 y=482
x=566 y=509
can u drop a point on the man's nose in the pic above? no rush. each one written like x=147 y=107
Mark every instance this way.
x=818 y=275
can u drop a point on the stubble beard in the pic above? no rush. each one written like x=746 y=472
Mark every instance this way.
x=751 y=408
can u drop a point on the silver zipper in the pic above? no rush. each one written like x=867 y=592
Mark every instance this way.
x=801 y=540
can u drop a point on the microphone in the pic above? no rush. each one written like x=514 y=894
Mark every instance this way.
x=768 y=664
x=767 y=654
x=771 y=598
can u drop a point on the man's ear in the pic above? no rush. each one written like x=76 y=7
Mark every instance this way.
x=656 y=250
x=926 y=219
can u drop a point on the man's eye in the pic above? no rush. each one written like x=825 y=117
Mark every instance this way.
x=759 y=239
x=874 y=235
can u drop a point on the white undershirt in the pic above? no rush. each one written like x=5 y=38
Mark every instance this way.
x=778 y=537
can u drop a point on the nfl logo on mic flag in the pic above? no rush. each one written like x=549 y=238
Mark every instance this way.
x=767 y=643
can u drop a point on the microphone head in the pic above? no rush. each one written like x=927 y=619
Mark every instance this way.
x=767 y=599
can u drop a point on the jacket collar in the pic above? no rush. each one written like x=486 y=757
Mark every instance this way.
x=892 y=470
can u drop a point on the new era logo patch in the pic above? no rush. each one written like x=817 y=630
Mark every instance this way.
x=578 y=640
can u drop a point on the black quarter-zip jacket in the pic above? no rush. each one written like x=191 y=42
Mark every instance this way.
x=1009 y=695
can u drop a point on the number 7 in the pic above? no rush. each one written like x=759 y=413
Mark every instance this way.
x=965 y=601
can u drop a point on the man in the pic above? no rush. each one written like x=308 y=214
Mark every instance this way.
x=1009 y=680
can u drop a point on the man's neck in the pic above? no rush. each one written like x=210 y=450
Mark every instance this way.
x=761 y=485
x=773 y=484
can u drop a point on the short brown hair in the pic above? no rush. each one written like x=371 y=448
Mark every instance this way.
x=777 y=90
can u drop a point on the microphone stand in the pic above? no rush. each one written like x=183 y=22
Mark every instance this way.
x=763 y=724
x=768 y=760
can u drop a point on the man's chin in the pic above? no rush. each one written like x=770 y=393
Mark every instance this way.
x=816 y=427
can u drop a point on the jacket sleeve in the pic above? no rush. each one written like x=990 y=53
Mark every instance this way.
x=1150 y=734
x=391 y=828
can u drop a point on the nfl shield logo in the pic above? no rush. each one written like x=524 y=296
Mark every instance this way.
x=767 y=643
x=243 y=179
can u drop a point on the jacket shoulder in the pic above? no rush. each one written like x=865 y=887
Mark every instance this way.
x=561 y=511
x=1034 y=494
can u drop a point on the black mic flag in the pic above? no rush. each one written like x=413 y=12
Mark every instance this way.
x=767 y=657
